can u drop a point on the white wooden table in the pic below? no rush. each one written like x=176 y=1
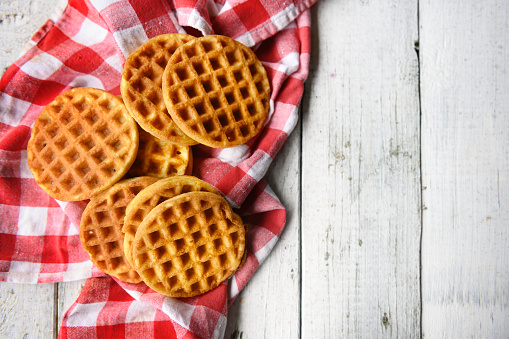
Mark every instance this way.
x=396 y=181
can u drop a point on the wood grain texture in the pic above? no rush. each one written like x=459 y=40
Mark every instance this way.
x=19 y=20
x=26 y=311
x=360 y=173
x=465 y=161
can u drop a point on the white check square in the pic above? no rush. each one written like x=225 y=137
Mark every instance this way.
x=32 y=221
x=24 y=272
x=90 y=33
x=85 y=315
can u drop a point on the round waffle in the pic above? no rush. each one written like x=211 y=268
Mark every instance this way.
x=101 y=228
x=216 y=91
x=81 y=143
x=153 y=195
x=141 y=87
x=159 y=158
x=189 y=244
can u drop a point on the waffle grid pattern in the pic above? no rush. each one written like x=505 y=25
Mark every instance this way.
x=141 y=87
x=189 y=245
x=160 y=158
x=84 y=141
x=152 y=196
x=101 y=228
x=216 y=91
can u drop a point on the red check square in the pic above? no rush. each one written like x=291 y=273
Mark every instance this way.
x=252 y=14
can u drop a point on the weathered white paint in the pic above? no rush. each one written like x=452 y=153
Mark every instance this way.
x=360 y=173
x=19 y=20
x=26 y=311
x=465 y=162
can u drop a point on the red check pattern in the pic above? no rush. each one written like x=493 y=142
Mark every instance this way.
x=86 y=45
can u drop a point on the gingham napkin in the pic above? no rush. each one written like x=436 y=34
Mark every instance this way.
x=85 y=44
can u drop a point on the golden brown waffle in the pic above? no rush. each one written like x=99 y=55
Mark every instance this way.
x=159 y=158
x=151 y=196
x=216 y=91
x=81 y=144
x=189 y=244
x=141 y=87
x=101 y=228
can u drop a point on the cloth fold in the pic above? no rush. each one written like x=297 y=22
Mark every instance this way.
x=86 y=46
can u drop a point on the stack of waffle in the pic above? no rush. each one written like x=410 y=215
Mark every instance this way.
x=148 y=218
x=178 y=234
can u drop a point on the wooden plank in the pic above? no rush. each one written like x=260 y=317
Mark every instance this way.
x=269 y=305
x=19 y=20
x=465 y=161
x=360 y=173
x=26 y=311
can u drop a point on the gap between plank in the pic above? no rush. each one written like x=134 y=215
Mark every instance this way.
x=299 y=216
x=55 y=311
x=417 y=49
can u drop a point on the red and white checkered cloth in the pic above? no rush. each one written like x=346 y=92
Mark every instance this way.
x=85 y=44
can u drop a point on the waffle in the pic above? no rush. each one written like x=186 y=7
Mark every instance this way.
x=189 y=244
x=217 y=91
x=101 y=228
x=141 y=87
x=151 y=196
x=81 y=144
x=159 y=158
